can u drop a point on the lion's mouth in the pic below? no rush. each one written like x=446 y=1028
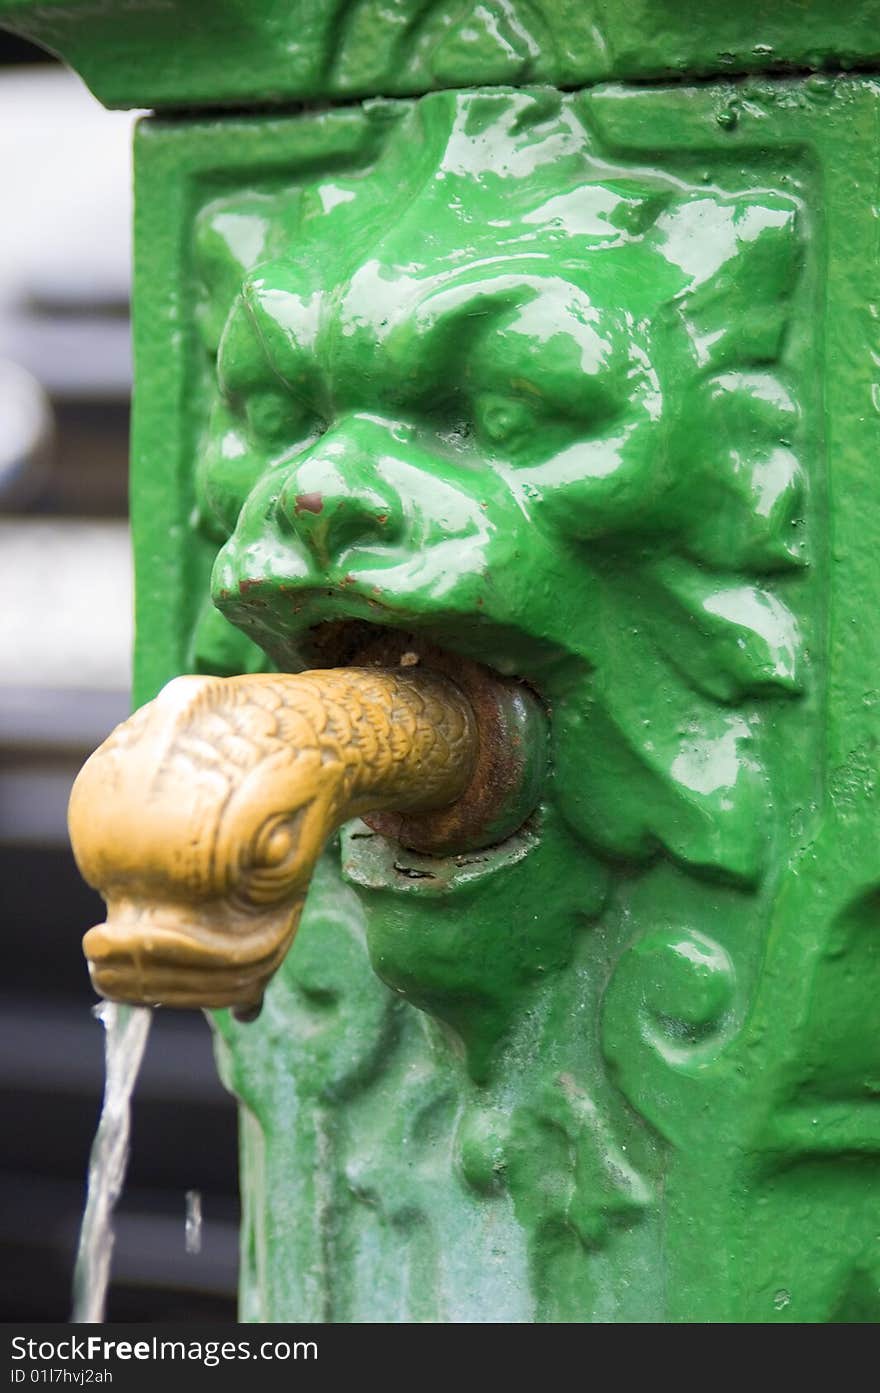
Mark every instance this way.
x=348 y=642
x=338 y=625
x=325 y=626
x=382 y=641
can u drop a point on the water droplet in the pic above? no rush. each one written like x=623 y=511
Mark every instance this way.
x=781 y=1299
x=193 y=1230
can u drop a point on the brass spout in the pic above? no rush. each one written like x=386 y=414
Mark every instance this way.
x=201 y=818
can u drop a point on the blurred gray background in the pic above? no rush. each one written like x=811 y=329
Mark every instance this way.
x=65 y=638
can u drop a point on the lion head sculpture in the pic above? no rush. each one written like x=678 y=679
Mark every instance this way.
x=508 y=398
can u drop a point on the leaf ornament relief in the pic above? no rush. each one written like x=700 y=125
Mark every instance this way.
x=696 y=632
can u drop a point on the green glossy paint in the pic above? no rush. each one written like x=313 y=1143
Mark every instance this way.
x=581 y=385
x=206 y=53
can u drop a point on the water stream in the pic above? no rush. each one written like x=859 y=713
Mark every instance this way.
x=126 y=1030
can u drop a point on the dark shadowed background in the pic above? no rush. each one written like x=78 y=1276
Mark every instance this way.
x=65 y=635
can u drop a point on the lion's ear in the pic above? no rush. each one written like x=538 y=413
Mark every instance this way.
x=742 y=257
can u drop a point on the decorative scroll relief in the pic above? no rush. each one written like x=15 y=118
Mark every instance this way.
x=540 y=399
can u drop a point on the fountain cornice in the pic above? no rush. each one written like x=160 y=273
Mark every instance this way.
x=193 y=54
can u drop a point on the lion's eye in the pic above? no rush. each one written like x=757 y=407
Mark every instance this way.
x=502 y=418
x=279 y=419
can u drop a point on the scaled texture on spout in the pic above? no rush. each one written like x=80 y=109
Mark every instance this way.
x=200 y=819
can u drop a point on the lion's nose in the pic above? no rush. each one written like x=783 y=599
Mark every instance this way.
x=332 y=507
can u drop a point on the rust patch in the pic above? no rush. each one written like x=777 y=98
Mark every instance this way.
x=498 y=767
x=308 y=503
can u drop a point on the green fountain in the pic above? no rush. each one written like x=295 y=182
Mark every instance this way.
x=503 y=483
